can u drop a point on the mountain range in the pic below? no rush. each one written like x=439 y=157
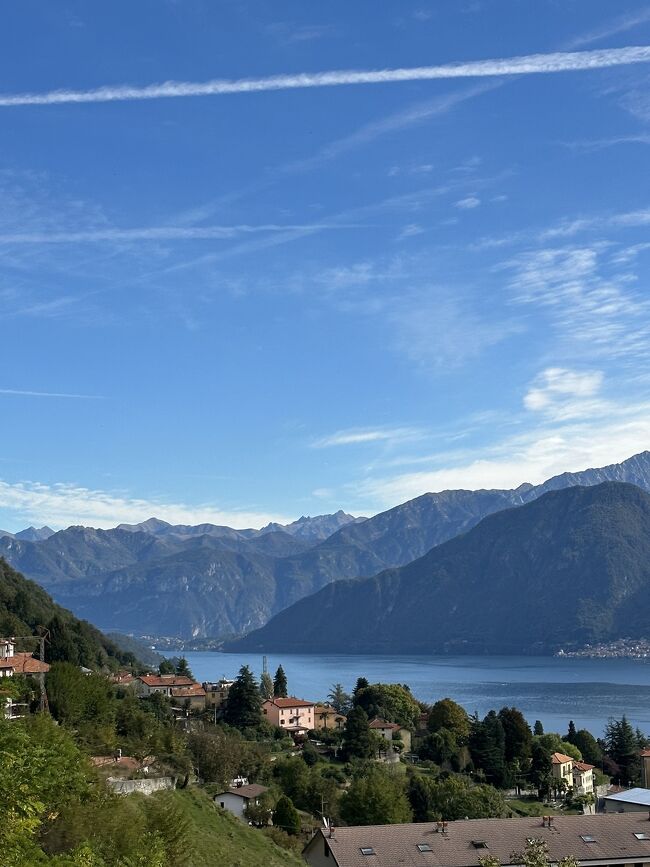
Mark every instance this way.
x=569 y=568
x=155 y=578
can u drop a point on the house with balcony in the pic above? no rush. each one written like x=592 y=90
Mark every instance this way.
x=216 y=692
x=294 y=715
x=583 y=778
x=562 y=768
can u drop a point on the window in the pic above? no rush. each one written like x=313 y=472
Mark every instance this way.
x=424 y=847
x=587 y=838
x=479 y=844
x=641 y=835
x=223 y=806
x=367 y=850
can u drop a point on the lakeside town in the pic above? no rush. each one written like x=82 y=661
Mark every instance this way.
x=326 y=777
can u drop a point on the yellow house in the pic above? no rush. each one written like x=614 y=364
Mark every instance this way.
x=326 y=717
x=562 y=768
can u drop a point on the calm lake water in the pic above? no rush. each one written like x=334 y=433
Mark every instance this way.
x=553 y=690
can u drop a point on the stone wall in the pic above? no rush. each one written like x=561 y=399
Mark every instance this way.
x=145 y=786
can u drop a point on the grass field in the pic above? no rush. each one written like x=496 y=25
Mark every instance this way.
x=224 y=841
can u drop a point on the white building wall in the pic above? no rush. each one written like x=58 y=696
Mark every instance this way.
x=235 y=804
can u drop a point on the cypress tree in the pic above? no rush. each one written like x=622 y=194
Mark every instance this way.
x=357 y=737
x=538 y=728
x=243 y=708
x=266 y=685
x=183 y=668
x=280 y=683
x=571 y=734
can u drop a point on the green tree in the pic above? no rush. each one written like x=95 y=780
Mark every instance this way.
x=588 y=746
x=62 y=646
x=183 y=668
x=357 y=740
x=361 y=683
x=286 y=816
x=519 y=738
x=540 y=768
x=375 y=797
x=440 y=747
x=622 y=747
x=243 y=708
x=538 y=728
x=554 y=743
x=280 y=687
x=448 y=714
x=453 y=798
x=487 y=743
x=41 y=772
x=391 y=701
x=166 y=667
x=339 y=699
x=571 y=734
x=266 y=685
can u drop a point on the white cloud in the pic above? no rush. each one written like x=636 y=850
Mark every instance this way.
x=526 y=65
x=468 y=203
x=61 y=505
x=534 y=456
x=362 y=436
x=410 y=231
x=565 y=393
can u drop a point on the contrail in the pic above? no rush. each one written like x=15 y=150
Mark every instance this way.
x=571 y=61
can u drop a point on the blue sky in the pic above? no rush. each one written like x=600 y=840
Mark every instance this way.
x=247 y=306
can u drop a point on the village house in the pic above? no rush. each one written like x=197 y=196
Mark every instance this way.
x=192 y=696
x=14 y=662
x=217 y=693
x=604 y=840
x=562 y=768
x=122 y=678
x=326 y=717
x=578 y=776
x=236 y=798
x=583 y=778
x=628 y=801
x=295 y=715
x=147 y=684
x=391 y=731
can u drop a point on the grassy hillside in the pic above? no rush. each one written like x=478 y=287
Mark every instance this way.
x=24 y=607
x=224 y=840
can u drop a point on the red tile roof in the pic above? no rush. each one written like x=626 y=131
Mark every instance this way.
x=196 y=690
x=379 y=723
x=251 y=791
x=560 y=759
x=291 y=702
x=583 y=766
x=645 y=754
x=24 y=663
x=165 y=680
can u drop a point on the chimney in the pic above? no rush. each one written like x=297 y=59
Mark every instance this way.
x=331 y=831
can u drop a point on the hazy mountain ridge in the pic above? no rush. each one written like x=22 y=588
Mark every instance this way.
x=570 y=567
x=177 y=580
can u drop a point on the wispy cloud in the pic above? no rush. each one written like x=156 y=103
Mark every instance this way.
x=362 y=436
x=61 y=505
x=468 y=203
x=533 y=64
x=159 y=233
x=534 y=456
x=622 y=24
x=592 y=302
x=25 y=393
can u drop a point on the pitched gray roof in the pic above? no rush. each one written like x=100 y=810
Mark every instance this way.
x=613 y=835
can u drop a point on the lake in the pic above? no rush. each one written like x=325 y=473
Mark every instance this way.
x=551 y=689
